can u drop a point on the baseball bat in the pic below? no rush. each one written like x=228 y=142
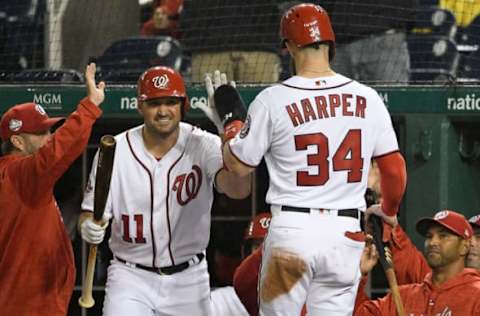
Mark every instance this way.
x=387 y=264
x=102 y=186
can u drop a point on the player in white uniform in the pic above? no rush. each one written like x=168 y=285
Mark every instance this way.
x=159 y=201
x=318 y=132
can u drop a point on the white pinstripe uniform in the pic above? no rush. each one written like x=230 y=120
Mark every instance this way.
x=161 y=218
x=318 y=137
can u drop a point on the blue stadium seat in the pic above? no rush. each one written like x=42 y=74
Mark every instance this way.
x=468 y=38
x=432 y=58
x=134 y=55
x=126 y=76
x=45 y=76
x=469 y=67
x=431 y=20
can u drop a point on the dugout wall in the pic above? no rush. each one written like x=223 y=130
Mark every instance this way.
x=438 y=129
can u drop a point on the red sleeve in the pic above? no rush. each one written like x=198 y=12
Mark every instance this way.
x=410 y=265
x=35 y=175
x=245 y=281
x=147 y=28
x=381 y=307
x=393 y=175
x=361 y=293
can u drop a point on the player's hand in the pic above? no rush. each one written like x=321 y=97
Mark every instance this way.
x=369 y=257
x=377 y=210
x=209 y=109
x=92 y=232
x=96 y=93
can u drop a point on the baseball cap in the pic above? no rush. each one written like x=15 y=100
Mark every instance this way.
x=453 y=221
x=25 y=118
x=475 y=221
x=258 y=226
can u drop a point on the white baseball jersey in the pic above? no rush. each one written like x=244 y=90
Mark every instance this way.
x=318 y=137
x=160 y=208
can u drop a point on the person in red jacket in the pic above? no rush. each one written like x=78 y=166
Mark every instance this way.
x=161 y=23
x=36 y=256
x=410 y=264
x=450 y=288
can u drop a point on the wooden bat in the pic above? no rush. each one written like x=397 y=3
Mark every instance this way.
x=386 y=262
x=102 y=186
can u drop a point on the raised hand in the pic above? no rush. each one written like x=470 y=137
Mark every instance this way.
x=209 y=109
x=96 y=94
x=377 y=210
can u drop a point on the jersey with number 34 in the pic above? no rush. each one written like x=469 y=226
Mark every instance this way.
x=318 y=137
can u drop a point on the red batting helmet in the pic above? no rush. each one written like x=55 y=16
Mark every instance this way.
x=161 y=81
x=258 y=226
x=306 y=24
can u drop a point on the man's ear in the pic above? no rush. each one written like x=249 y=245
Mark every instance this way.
x=140 y=107
x=18 y=142
x=465 y=247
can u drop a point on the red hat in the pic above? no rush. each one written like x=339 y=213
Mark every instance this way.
x=25 y=118
x=306 y=24
x=258 y=226
x=162 y=81
x=475 y=221
x=453 y=221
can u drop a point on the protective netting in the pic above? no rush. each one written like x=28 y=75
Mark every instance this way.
x=389 y=41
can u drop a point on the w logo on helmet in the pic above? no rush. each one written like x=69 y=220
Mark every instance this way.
x=161 y=82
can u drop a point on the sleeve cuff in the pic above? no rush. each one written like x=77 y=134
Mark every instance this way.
x=91 y=107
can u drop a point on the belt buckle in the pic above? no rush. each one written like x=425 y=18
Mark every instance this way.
x=159 y=271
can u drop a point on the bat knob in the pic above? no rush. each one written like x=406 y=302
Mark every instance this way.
x=86 y=302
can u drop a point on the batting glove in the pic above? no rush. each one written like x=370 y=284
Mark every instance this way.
x=92 y=232
x=209 y=108
x=377 y=210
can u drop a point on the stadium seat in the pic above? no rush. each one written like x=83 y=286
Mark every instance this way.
x=134 y=55
x=468 y=38
x=431 y=20
x=45 y=76
x=121 y=75
x=469 y=67
x=432 y=58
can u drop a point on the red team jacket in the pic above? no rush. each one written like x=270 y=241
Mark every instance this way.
x=36 y=256
x=458 y=296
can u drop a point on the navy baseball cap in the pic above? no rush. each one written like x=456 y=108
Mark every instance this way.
x=453 y=221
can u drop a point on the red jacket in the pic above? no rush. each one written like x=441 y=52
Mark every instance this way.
x=410 y=264
x=245 y=281
x=459 y=296
x=36 y=256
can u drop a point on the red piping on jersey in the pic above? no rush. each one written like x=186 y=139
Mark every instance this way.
x=154 y=248
x=315 y=89
x=236 y=157
x=168 y=209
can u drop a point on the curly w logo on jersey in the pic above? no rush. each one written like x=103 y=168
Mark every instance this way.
x=188 y=185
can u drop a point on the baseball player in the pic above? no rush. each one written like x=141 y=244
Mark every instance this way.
x=159 y=201
x=450 y=288
x=318 y=132
x=241 y=299
x=36 y=255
